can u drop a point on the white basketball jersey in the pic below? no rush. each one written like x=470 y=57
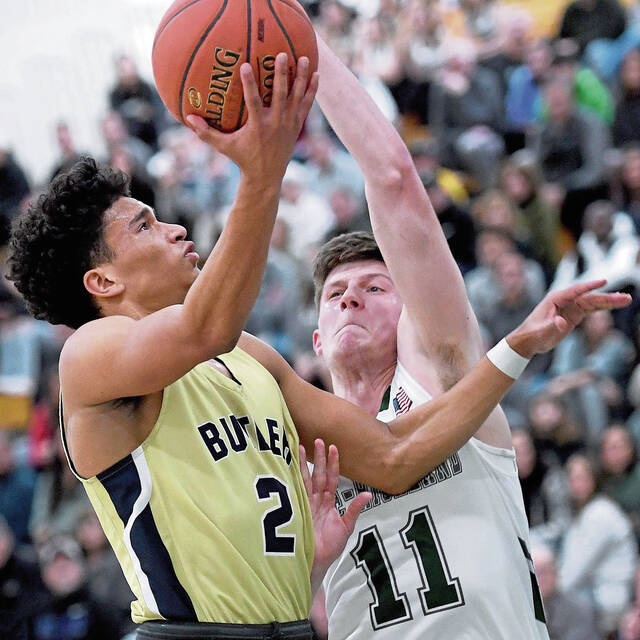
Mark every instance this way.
x=447 y=559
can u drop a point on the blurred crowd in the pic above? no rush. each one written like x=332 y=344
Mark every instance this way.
x=526 y=136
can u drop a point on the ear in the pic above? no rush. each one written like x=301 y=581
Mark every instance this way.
x=100 y=283
x=317 y=343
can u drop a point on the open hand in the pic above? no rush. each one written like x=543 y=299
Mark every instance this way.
x=331 y=530
x=559 y=313
x=264 y=144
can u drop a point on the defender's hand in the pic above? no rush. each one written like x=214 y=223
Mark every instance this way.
x=262 y=147
x=331 y=530
x=559 y=313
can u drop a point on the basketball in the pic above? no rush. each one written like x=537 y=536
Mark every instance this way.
x=200 y=44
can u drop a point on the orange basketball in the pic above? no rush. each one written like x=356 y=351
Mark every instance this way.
x=200 y=45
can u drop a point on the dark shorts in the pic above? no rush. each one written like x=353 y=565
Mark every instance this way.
x=161 y=630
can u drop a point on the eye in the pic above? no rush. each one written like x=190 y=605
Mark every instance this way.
x=335 y=293
x=374 y=288
x=143 y=226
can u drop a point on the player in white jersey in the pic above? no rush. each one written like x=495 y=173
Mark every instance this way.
x=449 y=558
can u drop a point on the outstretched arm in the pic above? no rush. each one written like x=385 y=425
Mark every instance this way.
x=404 y=224
x=394 y=456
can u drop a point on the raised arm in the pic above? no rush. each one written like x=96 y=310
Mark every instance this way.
x=140 y=356
x=403 y=220
x=395 y=456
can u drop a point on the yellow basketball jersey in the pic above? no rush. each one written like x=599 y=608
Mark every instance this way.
x=209 y=517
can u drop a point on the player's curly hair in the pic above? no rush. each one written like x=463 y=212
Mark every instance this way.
x=60 y=238
x=347 y=247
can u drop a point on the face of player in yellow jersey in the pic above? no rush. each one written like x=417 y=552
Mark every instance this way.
x=358 y=314
x=153 y=265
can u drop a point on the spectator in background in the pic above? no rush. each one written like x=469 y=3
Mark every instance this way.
x=481 y=282
x=588 y=20
x=426 y=158
x=520 y=181
x=626 y=122
x=599 y=553
x=567 y=618
x=620 y=471
x=553 y=427
x=419 y=47
x=68 y=610
x=466 y=114
x=14 y=188
x=627 y=196
x=17 y=483
x=271 y=318
x=513 y=38
x=589 y=93
x=43 y=425
x=456 y=223
x=307 y=214
x=68 y=153
x=330 y=168
x=136 y=101
x=21 y=588
x=59 y=500
x=115 y=134
x=349 y=212
x=608 y=246
x=140 y=184
x=524 y=92
x=105 y=581
x=544 y=490
x=494 y=209
x=569 y=148
x=334 y=24
x=589 y=371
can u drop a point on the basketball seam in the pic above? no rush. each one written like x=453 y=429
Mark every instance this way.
x=193 y=55
x=166 y=24
x=300 y=12
x=239 y=122
x=284 y=31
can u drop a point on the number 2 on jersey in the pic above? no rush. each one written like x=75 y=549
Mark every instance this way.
x=274 y=543
x=438 y=591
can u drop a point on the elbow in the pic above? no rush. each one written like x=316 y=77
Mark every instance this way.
x=397 y=474
x=399 y=169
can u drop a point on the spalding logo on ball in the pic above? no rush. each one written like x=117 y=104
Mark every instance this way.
x=200 y=45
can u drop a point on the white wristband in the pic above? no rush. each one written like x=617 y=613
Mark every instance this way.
x=510 y=362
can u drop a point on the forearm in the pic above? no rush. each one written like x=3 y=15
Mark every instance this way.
x=429 y=434
x=362 y=128
x=220 y=300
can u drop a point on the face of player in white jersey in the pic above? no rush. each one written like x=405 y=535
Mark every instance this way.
x=358 y=315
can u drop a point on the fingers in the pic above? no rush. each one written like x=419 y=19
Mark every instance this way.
x=205 y=132
x=300 y=83
x=280 y=83
x=250 y=89
x=354 y=510
x=310 y=95
x=333 y=470
x=318 y=479
x=304 y=470
x=565 y=296
x=596 y=301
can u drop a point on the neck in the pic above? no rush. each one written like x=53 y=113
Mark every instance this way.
x=363 y=386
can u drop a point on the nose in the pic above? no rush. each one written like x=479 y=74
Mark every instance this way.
x=350 y=299
x=176 y=232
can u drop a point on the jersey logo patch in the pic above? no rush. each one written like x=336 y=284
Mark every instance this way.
x=402 y=402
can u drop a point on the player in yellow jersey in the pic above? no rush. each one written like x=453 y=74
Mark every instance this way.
x=177 y=422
